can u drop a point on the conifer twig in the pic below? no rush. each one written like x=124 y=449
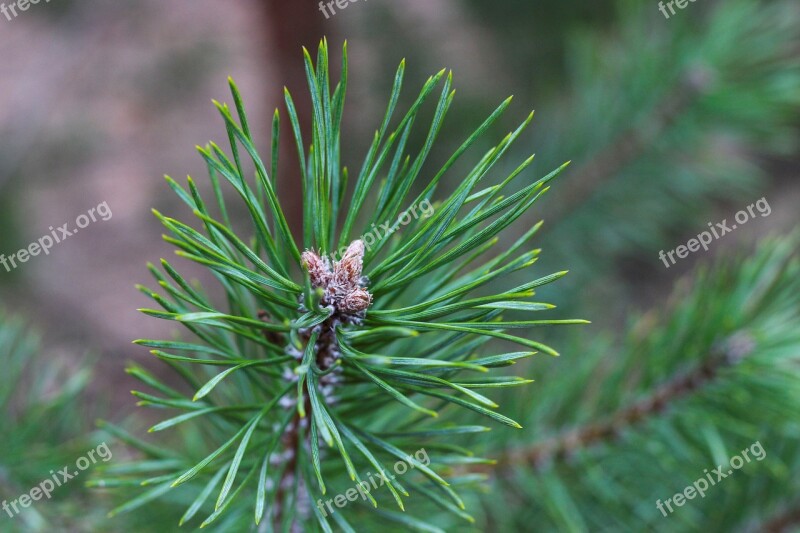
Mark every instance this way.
x=630 y=144
x=731 y=352
x=325 y=353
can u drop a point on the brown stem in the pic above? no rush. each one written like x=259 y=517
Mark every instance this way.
x=291 y=440
x=782 y=522
x=271 y=336
x=338 y=286
x=566 y=444
x=291 y=25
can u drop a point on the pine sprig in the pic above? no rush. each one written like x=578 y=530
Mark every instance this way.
x=42 y=429
x=327 y=363
x=692 y=385
x=686 y=122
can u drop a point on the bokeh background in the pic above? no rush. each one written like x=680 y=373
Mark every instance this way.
x=669 y=124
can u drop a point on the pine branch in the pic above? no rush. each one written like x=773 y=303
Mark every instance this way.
x=609 y=161
x=568 y=444
x=611 y=469
x=43 y=428
x=326 y=362
x=705 y=111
